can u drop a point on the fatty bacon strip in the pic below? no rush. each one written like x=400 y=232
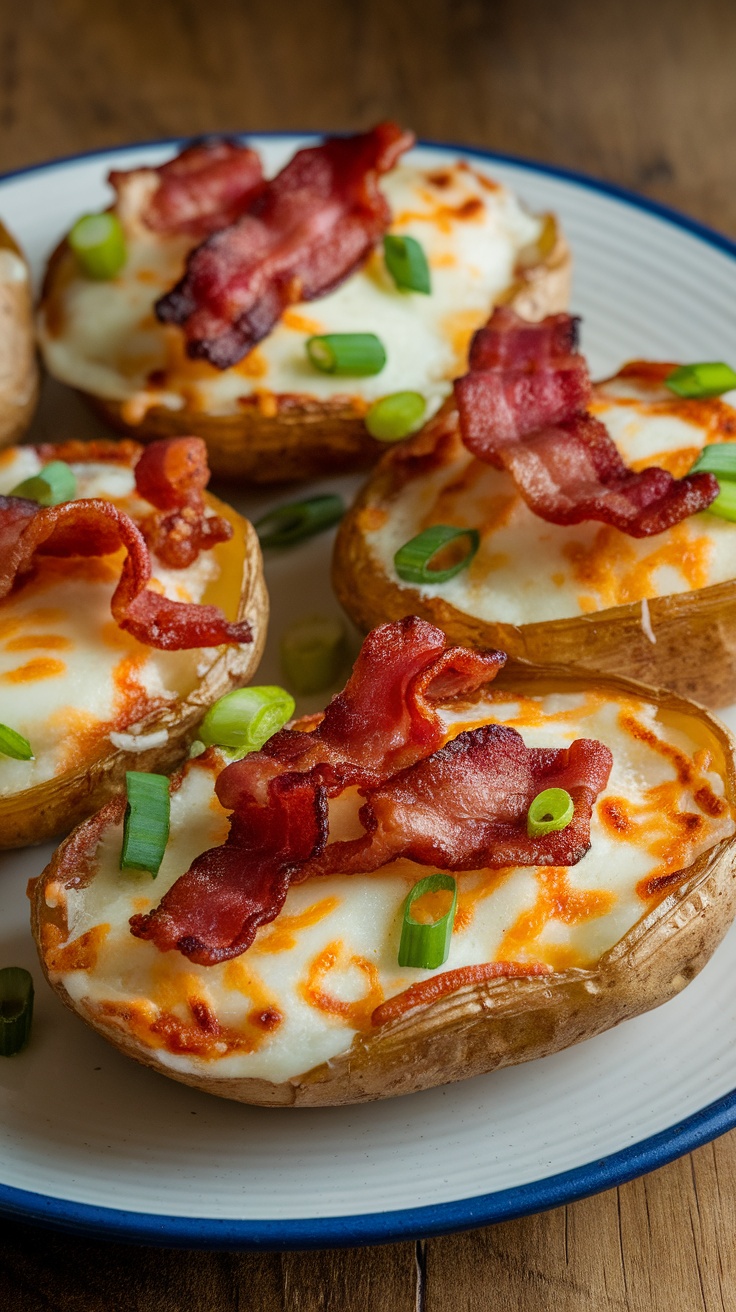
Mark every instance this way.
x=202 y=189
x=522 y=408
x=460 y=806
x=302 y=235
x=171 y=475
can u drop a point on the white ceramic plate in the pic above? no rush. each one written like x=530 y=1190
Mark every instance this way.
x=89 y=1140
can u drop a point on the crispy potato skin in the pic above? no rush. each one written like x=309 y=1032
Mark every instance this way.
x=38 y=814
x=695 y=651
x=290 y=438
x=481 y=1027
x=18 y=366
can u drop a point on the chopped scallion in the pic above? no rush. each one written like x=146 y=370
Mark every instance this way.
x=395 y=416
x=720 y=459
x=16 y=1009
x=147 y=818
x=359 y=354
x=407 y=263
x=313 y=654
x=245 y=719
x=14 y=744
x=712 y=378
x=413 y=560
x=427 y=946
x=286 y=525
x=53 y=484
x=98 y=242
x=551 y=809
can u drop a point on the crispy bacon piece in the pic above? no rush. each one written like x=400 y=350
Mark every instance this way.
x=461 y=806
x=465 y=807
x=172 y=474
x=308 y=229
x=97 y=528
x=202 y=189
x=522 y=408
x=385 y=717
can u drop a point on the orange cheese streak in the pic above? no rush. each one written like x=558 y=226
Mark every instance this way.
x=429 y=990
x=50 y=641
x=556 y=900
x=43 y=667
x=610 y=568
x=281 y=935
x=80 y=954
x=358 y=1014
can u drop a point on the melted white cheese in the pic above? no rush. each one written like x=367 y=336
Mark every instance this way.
x=358 y=918
x=62 y=657
x=529 y=570
x=110 y=340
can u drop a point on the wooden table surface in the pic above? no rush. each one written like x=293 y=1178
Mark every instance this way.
x=640 y=93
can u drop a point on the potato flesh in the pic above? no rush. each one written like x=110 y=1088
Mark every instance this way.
x=331 y=954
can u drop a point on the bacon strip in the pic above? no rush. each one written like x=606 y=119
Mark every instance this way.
x=308 y=229
x=204 y=188
x=172 y=474
x=522 y=408
x=97 y=528
x=462 y=806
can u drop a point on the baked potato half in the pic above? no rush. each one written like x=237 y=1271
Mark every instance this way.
x=18 y=367
x=274 y=417
x=92 y=700
x=661 y=609
x=317 y=1012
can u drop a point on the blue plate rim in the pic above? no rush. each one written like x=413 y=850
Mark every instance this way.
x=437 y=1218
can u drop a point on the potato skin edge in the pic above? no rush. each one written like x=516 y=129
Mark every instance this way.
x=307 y=438
x=19 y=380
x=56 y=806
x=502 y=1022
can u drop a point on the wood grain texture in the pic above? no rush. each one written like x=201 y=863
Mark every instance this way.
x=642 y=94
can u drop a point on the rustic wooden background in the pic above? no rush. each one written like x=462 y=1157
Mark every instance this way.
x=642 y=92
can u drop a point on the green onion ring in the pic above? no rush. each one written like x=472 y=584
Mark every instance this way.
x=395 y=416
x=51 y=486
x=359 y=354
x=407 y=263
x=313 y=653
x=711 y=378
x=245 y=719
x=98 y=242
x=16 y=1009
x=295 y=521
x=551 y=809
x=412 y=561
x=14 y=744
x=147 y=820
x=427 y=946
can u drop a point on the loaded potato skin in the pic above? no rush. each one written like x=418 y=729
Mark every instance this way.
x=403 y=1031
x=94 y=700
x=271 y=416
x=18 y=370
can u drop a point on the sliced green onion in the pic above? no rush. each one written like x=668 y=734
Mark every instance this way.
x=427 y=946
x=297 y=520
x=407 y=263
x=14 y=744
x=16 y=1009
x=720 y=459
x=347 y=353
x=53 y=484
x=313 y=654
x=98 y=242
x=412 y=561
x=146 y=828
x=551 y=809
x=699 y=380
x=395 y=416
x=245 y=719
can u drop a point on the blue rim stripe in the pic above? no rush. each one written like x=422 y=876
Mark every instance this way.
x=438 y=1218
